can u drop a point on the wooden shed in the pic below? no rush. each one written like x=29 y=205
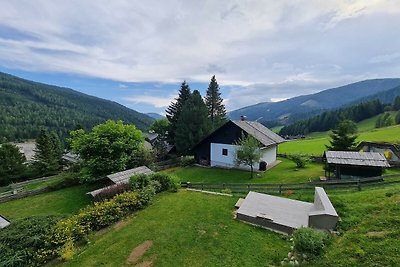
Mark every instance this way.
x=349 y=164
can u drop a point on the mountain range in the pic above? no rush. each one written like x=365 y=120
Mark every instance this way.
x=27 y=106
x=301 y=107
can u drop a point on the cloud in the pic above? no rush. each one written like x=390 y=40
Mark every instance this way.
x=123 y=86
x=259 y=50
x=158 y=102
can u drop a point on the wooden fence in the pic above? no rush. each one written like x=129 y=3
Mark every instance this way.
x=280 y=188
x=23 y=194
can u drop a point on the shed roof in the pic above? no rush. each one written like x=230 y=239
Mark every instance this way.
x=123 y=177
x=3 y=222
x=372 y=159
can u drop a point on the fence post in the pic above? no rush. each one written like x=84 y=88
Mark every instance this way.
x=359 y=184
x=223 y=186
x=280 y=189
x=248 y=187
x=202 y=186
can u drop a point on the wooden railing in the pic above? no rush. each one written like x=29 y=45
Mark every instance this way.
x=280 y=188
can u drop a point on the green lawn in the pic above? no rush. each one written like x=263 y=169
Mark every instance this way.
x=64 y=201
x=194 y=229
x=315 y=145
x=370 y=229
x=188 y=229
x=285 y=172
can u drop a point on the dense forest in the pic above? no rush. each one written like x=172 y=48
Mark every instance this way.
x=26 y=107
x=329 y=119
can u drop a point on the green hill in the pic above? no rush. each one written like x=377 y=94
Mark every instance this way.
x=314 y=144
x=27 y=106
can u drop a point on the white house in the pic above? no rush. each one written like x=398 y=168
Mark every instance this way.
x=219 y=148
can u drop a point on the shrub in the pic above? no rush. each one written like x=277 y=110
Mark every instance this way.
x=146 y=195
x=91 y=218
x=188 y=161
x=112 y=191
x=300 y=160
x=166 y=181
x=21 y=240
x=309 y=241
x=139 y=181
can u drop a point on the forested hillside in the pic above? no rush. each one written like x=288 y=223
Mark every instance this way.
x=306 y=106
x=27 y=106
x=329 y=119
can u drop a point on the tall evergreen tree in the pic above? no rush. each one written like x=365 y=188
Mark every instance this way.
x=48 y=153
x=175 y=108
x=11 y=164
x=193 y=124
x=343 y=138
x=396 y=103
x=216 y=110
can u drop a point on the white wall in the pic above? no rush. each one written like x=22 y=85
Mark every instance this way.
x=268 y=154
x=228 y=161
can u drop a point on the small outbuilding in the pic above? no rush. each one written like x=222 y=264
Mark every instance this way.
x=286 y=215
x=121 y=178
x=350 y=164
x=4 y=222
x=219 y=148
x=390 y=151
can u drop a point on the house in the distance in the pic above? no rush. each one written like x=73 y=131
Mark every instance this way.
x=390 y=151
x=219 y=148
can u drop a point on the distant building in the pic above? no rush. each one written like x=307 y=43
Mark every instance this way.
x=219 y=148
x=28 y=149
x=349 y=164
x=390 y=151
x=284 y=215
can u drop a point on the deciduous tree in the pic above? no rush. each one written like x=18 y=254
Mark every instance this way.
x=110 y=147
x=248 y=152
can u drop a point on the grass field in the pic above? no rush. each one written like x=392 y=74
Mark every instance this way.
x=187 y=229
x=315 y=145
x=64 y=201
x=285 y=172
x=194 y=229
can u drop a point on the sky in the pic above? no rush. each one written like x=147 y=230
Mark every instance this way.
x=138 y=52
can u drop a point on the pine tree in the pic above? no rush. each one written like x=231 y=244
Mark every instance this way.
x=216 y=110
x=11 y=164
x=396 y=103
x=175 y=108
x=193 y=124
x=48 y=153
x=343 y=138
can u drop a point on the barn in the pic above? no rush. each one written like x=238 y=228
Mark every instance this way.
x=218 y=149
x=349 y=164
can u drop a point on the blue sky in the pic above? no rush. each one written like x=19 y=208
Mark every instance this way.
x=138 y=52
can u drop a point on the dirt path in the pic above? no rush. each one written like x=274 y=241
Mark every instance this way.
x=138 y=252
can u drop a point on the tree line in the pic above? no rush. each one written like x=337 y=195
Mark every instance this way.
x=330 y=119
x=191 y=117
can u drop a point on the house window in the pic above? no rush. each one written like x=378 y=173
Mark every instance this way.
x=225 y=152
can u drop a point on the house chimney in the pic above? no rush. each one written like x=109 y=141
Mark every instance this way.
x=243 y=118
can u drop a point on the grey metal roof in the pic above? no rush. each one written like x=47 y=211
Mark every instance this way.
x=356 y=158
x=322 y=204
x=123 y=177
x=3 y=222
x=259 y=132
x=279 y=210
